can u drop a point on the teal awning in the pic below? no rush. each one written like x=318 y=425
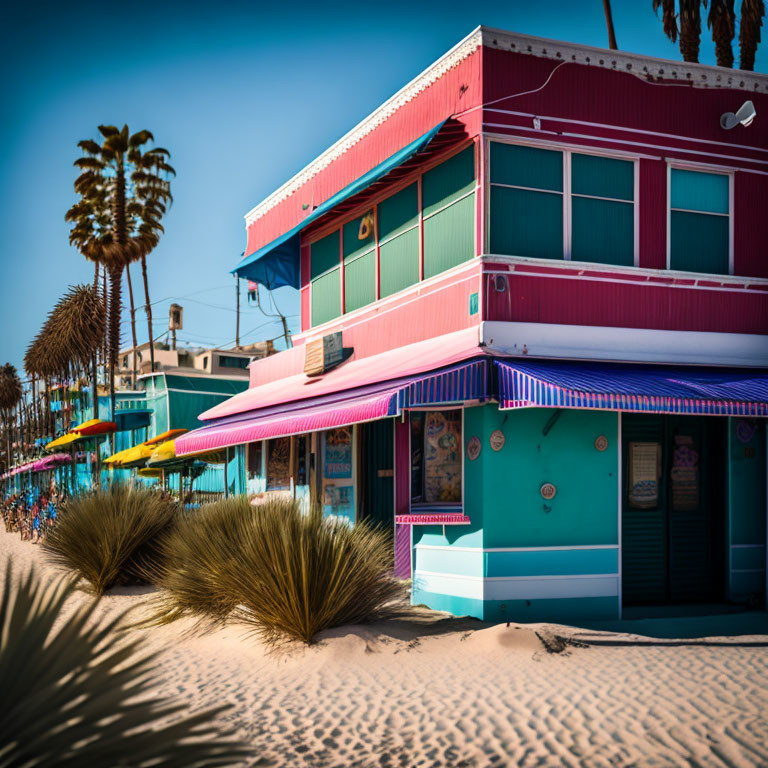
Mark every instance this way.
x=277 y=263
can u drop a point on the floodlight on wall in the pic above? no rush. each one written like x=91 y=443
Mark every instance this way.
x=744 y=116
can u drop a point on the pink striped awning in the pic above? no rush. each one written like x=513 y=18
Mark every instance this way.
x=299 y=421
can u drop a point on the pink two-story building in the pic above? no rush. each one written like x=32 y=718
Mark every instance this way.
x=534 y=333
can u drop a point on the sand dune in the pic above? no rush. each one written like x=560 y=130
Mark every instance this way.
x=437 y=691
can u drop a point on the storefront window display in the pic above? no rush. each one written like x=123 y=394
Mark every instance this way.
x=436 y=457
x=338 y=473
x=279 y=464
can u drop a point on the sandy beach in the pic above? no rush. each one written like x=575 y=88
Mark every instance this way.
x=438 y=691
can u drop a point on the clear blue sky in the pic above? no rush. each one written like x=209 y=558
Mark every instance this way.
x=242 y=96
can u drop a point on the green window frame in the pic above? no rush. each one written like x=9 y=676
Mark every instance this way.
x=700 y=222
x=423 y=229
x=544 y=202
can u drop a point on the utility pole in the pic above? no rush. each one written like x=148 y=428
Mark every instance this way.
x=609 y=23
x=237 y=313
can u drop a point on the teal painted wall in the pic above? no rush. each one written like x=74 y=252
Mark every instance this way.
x=746 y=510
x=455 y=571
x=506 y=485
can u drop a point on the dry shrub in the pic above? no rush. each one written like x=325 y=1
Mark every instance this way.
x=286 y=574
x=111 y=536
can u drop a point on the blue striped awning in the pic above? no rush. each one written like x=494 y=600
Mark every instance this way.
x=645 y=389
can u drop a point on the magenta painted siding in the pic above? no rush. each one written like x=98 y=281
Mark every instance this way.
x=750 y=236
x=402 y=498
x=653 y=214
x=560 y=296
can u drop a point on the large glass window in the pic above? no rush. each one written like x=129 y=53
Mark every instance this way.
x=338 y=473
x=699 y=221
x=436 y=457
x=553 y=204
x=382 y=248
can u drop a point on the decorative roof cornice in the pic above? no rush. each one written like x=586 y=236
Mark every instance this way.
x=646 y=67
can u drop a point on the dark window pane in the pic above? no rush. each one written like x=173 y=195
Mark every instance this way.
x=699 y=242
x=603 y=231
x=602 y=177
x=399 y=212
x=525 y=223
x=526 y=166
x=448 y=181
x=324 y=254
x=696 y=191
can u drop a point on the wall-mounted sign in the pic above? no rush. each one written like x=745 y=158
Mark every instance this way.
x=745 y=430
x=439 y=518
x=548 y=491
x=320 y=355
x=497 y=439
x=601 y=443
x=644 y=475
x=473 y=448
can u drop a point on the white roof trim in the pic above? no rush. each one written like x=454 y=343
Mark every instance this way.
x=646 y=67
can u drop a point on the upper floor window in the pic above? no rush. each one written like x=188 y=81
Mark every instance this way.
x=699 y=221
x=416 y=233
x=559 y=204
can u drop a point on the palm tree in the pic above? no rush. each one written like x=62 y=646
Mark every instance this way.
x=10 y=396
x=721 y=20
x=124 y=191
x=752 y=12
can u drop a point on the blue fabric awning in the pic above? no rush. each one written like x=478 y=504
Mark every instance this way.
x=277 y=263
x=641 y=388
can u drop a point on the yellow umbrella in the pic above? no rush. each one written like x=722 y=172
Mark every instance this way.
x=138 y=455
x=165 y=455
x=149 y=472
x=70 y=437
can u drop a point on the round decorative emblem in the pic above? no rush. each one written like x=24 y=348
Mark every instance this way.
x=497 y=440
x=473 y=448
x=601 y=442
x=548 y=491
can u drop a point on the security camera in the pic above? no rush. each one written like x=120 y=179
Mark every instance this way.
x=745 y=116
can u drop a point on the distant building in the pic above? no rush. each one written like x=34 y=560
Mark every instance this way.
x=192 y=361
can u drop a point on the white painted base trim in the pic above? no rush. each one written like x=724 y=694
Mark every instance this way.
x=449 y=548
x=518 y=587
x=638 y=345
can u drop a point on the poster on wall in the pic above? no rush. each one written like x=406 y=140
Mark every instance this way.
x=279 y=464
x=685 y=475
x=644 y=474
x=338 y=479
x=442 y=457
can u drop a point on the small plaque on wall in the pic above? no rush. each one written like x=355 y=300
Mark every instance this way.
x=601 y=443
x=497 y=440
x=473 y=448
x=548 y=491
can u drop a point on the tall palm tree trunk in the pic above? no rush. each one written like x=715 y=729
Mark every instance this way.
x=115 y=282
x=690 y=29
x=148 y=310
x=95 y=276
x=133 y=325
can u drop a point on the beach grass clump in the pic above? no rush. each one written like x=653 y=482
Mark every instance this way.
x=79 y=693
x=284 y=573
x=112 y=536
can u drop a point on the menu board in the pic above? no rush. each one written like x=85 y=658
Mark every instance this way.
x=279 y=464
x=644 y=474
x=442 y=457
x=685 y=475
